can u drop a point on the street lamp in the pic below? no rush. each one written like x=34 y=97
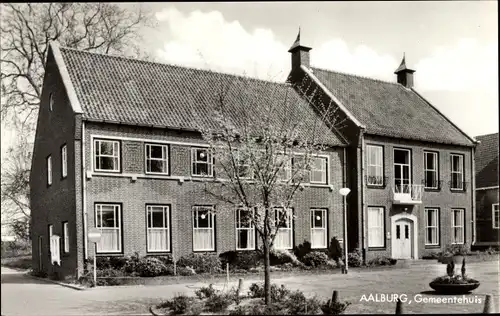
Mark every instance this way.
x=344 y=192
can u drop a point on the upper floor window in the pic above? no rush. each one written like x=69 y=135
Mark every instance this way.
x=51 y=101
x=65 y=237
x=402 y=170
x=318 y=228
x=243 y=167
x=202 y=162
x=495 y=216
x=107 y=155
x=64 y=161
x=318 y=171
x=457 y=226
x=375 y=165
x=283 y=166
x=156 y=159
x=158 y=236
x=245 y=230
x=51 y=230
x=431 y=169
x=108 y=220
x=284 y=222
x=431 y=226
x=457 y=172
x=49 y=170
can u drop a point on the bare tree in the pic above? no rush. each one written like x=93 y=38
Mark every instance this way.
x=26 y=31
x=263 y=150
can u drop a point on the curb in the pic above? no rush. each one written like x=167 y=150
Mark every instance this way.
x=71 y=286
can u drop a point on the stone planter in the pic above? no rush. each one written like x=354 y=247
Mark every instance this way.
x=457 y=259
x=454 y=288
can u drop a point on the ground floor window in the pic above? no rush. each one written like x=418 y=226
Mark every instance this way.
x=376 y=227
x=158 y=221
x=245 y=230
x=203 y=228
x=284 y=235
x=108 y=220
x=457 y=224
x=495 y=216
x=431 y=226
x=318 y=228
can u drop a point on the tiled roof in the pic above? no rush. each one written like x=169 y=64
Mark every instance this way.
x=487 y=161
x=389 y=109
x=130 y=91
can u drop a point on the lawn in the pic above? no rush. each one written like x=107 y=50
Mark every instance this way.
x=21 y=262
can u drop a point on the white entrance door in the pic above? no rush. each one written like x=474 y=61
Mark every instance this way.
x=403 y=239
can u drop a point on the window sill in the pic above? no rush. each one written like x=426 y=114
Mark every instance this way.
x=208 y=250
x=109 y=254
x=457 y=190
x=377 y=248
x=107 y=171
x=432 y=246
x=432 y=189
x=371 y=186
x=158 y=253
x=319 y=248
x=245 y=250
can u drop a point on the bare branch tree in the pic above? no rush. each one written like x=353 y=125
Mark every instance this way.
x=263 y=151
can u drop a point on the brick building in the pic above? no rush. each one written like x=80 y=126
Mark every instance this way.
x=487 y=220
x=118 y=147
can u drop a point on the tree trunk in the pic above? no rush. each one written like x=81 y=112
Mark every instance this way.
x=267 y=272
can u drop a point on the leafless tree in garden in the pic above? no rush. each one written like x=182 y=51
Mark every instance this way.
x=262 y=159
x=26 y=31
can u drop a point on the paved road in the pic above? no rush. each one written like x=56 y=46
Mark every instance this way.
x=22 y=295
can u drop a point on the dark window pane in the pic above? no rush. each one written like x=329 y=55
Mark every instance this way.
x=397 y=172
x=430 y=161
x=156 y=152
x=157 y=219
x=318 y=219
x=243 y=239
x=201 y=169
x=407 y=231
x=156 y=166
x=106 y=163
x=398 y=232
x=406 y=172
x=203 y=219
x=201 y=155
x=429 y=236
x=106 y=148
x=108 y=218
x=401 y=156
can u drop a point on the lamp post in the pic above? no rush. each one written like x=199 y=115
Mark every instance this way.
x=344 y=192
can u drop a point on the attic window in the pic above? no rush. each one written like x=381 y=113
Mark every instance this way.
x=51 y=102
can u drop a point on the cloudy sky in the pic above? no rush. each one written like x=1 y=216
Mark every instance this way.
x=452 y=45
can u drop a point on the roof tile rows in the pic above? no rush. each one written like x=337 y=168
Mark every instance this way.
x=487 y=161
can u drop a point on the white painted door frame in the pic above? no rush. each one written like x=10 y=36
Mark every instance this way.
x=414 y=241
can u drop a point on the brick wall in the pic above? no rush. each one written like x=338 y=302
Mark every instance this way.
x=53 y=204
x=486 y=234
x=182 y=196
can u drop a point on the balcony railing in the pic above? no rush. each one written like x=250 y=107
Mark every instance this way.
x=408 y=193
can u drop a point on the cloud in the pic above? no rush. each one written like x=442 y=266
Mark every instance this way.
x=467 y=65
x=207 y=40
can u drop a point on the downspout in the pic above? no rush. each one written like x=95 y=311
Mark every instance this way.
x=473 y=180
x=362 y=136
x=84 y=194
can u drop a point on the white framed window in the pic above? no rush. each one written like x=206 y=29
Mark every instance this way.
x=203 y=228
x=375 y=165
x=376 y=227
x=284 y=235
x=51 y=230
x=106 y=155
x=51 y=102
x=431 y=226
x=318 y=229
x=158 y=228
x=156 y=159
x=284 y=164
x=108 y=220
x=243 y=166
x=202 y=162
x=431 y=170
x=402 y=170
x=495 y=216
x=457 y=226
x=55 y=253
x=64 y=161
x=318 y=173
x=49 y=170
x=65 y=237
x=245 y=230
x=457 y=172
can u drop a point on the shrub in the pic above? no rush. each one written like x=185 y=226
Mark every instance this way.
x=218 y=302
x=382 y=261
x=458 y=249
x=205 y=292
x=185 y=271
x=315 y=259
x=131 y=263
x=240 y=260
x=150 y=267
x=279 y=257
x=165 y=259
x=178 y=305
x=278 y=294
x=117 y=262
x=38 y=274
x=354 y=258
x=334 y=249
x=201 y=262
x=432 y=255
x=298 y=304
x=302 y=250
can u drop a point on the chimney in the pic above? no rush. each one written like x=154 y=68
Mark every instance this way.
x=405 y=74
x=300 y=54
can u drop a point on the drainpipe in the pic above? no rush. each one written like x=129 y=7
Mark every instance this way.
x=473 y=187
x=84 y=194
x=362 y=187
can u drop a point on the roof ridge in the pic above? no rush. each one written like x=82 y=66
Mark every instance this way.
x=485 y=135
x=133 y=59
x=355 y=75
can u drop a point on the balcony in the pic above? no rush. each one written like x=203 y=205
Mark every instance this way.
x=408 y=194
